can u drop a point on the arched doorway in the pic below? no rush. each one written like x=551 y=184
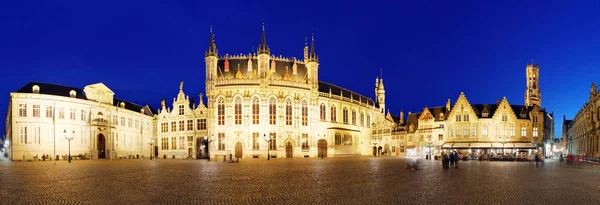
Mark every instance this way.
x=374 y=151
x=101 y=146
x=289 y=151
x=238 y=150
x=322 y=145
x=380 y=150
x=201 y=149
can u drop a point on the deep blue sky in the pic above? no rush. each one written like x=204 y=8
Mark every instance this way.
x=429 y=50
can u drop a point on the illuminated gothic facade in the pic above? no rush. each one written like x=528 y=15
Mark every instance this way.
x=583 y=131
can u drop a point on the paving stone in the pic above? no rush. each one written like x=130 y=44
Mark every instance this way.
x=360 y=180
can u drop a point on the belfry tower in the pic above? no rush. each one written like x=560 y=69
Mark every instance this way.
x=533 y=93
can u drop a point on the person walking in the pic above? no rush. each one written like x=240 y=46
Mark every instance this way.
x=537 y=159
x=443 y=156
x=446 y=160
x=451 y=159
x=456 y=158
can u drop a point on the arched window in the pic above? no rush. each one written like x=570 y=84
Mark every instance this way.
x=333 y=114
x=354 y=117
x=368 y=120
x=362 y=119
x=238 y=110
x=323 y=111
x=345 y=115
x=347 y=139
x=221 y=111
x=304 y=113
x=288 y=112
x=272 y=111
x=338 y=139
x=255 y=111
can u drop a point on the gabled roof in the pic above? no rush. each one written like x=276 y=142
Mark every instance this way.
x=134 y=107
x=53 y=89
x=325 y=87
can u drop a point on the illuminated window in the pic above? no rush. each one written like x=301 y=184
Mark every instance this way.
x=238 y=111
x=523 y=131
x=368 y=120
x=49 y=111
x=288 y=112
x=190 y=125
x=474 y=131
x=304 y=113
x=323 y=111
x=338 y=139
x=272 y=111
x=305 y=142
x=23 y=135
x=255 y=144
x=36 y=110
x=164 y=143
x=347 y=139
x=123 y=121
x=362 y=119
x=535 y=132
x=504 y=131
x=354 y=117
x=484 y=131
x=173 y=126
x=201 y=124
x=181 y=125
x=512 y=131
x=173 y=142
x=466 y=131
x=72 y=113
x=255 y=111
x=221 y=141
x=164 y=127
x=345 y=115
x=181 y=142
x=273 y=142
x=181 y=109
x=333 y=113
x=221 y=111
x=83 y=115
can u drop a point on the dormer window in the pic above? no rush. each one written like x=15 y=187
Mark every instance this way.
x=36 y=89
x=181 y=109
x=484 y=114
x=72 y=93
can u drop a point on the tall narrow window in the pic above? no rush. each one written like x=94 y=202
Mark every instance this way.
x=323 y=111
x=272 y=111
x=338 y=139
x=484 y=131
x=466 y=118
x=22 y=110
x=164 y=127
x=221 y=111
x=61 y=113
x=72 y=113
x=512 y=131
x=504 y=118
x=523 y=131
x=474 y=131
x=288 y=112
x=221 y=141
x=345 y=115
x=458 y=118
x=466 y=131
x=49 y=111
x=238 y=111
x=181 y=142
x=535 y=132
x=202 y=124
x=255 y=111
x=362 y=119
x=123 y=121
x=181 y=109
x=181 y=125
x=115 y=119
x=304 y=113
x=255 y=144
x=23 y=135
x=273 y=142
x=173 y=142
x=368 y=120
x=36 y=110
x=164 y=143
x=504 y=132
x=354 y=117
x=173 y=126
x=333 y=113
x=305 y=142
x=190 y=125
x=83 y=115
x=129 y=122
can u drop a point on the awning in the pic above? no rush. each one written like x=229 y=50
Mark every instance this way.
x=509 y=145
x=497 y=145
x=447 y=145
x=478 y=145
x=524 y=145
x=460 y=145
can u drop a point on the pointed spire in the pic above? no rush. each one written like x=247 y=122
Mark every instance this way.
x=263 y=48
x=212 y=48
x=313 y=55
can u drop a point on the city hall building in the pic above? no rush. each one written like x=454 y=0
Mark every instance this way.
x=582 y=133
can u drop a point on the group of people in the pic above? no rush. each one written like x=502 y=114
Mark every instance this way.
x=450 y=159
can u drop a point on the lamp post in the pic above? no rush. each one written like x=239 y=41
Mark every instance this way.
x=69 y=138
x=268 y=140
x=375 y=141
x=150 y=142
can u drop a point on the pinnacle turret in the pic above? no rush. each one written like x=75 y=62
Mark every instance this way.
x=263 y=48
x=313 y=55
x=212 y=48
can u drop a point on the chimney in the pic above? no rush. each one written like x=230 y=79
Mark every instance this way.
x=401 y=117
x=448 y=104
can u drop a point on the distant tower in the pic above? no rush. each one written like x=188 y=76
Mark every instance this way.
x=380 y=93
x=211 y=58
x=313 y=64
x=263 y=55
x=533 y=93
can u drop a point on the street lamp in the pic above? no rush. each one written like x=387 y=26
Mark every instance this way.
x=375 y=141
x=268 y=140
x=69 y=138
x=150 y=142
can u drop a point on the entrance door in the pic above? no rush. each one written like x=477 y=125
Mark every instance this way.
x=288 y=150
x=190 y=152
x=101 y=147
x=155 y=151
x=322 y=145
x=238 y=150
x=201 y=149
x=374 y=151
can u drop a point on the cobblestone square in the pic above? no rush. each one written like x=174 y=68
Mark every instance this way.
x=351 y=180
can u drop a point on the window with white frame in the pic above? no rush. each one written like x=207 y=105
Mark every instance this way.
x=181 y=109
x=305 y=142
x=190 y=125
x=523 y=131
x=72 y=113
x=345 y=115
x=23 y=135
x=83 y=115
x=368 y=120
x=362 y=119
x=512 y=131
x=255 y=144
x=36 y=135
x=22 y=110
x=221 y=141
x=323 y=112
x=333 y=114
x=173 y=126
x=466 y=131
x=181 y=125
x=173 y=142
x=238 y=111
x=181 y=142
x=164 y=127
x=484 y=131
x=474 y=131
x=354 y=117
x=129 y=122
x=535 y=132
x=49 y=111
x=36 y=110
x=123 y=121
x=221 y=111
x=504 y=131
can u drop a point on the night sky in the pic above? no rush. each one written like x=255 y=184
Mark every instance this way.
x=428 y=50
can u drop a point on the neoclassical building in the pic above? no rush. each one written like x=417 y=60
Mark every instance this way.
x=583 y=131
x=41 y=116
x=495 y=127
